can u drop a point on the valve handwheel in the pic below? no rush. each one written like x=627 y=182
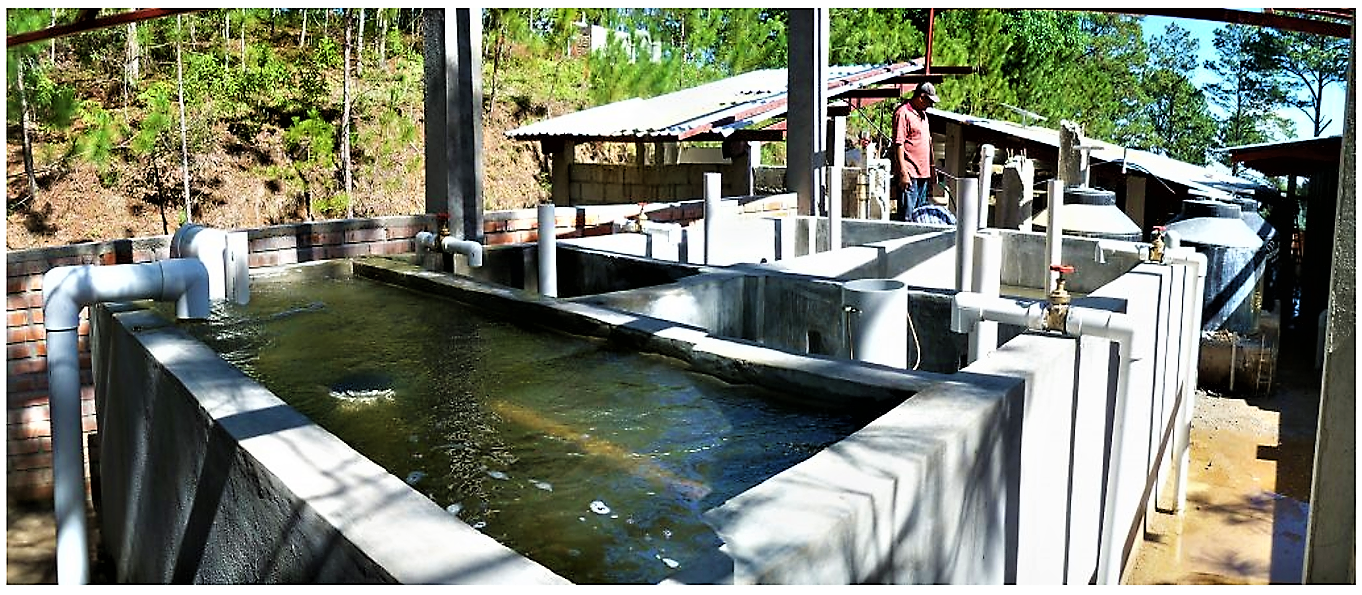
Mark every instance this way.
x=1062 y=268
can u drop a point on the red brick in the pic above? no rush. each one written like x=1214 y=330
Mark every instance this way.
x=39 y=460
x=23 y=447
x=26 y=350
x=27 y=299
x=26 y=366
x=19 y=387
x=27 y=415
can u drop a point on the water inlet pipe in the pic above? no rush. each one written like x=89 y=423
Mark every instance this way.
x=968 y=309
x=875 y=311
x=1054 y=236
x=548 y=250
x=986 y=152
x=966 y=226
x=988 y=266
x=451 y=245
x=224 y=254
x=713 y=194
x=66 y=291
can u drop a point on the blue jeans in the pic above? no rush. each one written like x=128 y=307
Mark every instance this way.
x=911 y=197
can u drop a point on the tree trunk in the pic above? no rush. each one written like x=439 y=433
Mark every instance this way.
x=28 y=141
x=132 y=62
x=302 y=37
x=52 y=45
x=383 y=21
x=184 y=139
x=359 y=46
x=345 y=120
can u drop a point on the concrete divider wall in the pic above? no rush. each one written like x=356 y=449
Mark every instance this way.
x=207 y=477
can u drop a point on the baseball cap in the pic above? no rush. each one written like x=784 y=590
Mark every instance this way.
x=929 y=90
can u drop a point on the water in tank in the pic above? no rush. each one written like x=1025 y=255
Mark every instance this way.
x=1234 y=260
x=1092 y=212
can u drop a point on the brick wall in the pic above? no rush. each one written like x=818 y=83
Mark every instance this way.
x=28 y=452
x=599 y=184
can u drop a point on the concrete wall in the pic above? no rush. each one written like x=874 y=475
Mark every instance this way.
x=602 y=183
x=207 y=477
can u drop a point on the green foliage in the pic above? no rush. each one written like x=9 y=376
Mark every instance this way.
x=333 y=206
x=1247 y=92
x=102 y=130
x=872 y=36
x=1306 y=65
x=159 y=119
x=311 y=140
x=1181 y=124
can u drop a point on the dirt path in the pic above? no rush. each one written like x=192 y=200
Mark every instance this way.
x=1248 y=490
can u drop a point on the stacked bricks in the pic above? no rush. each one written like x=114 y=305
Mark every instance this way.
x=28 y=430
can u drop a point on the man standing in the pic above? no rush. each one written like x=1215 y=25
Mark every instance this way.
x=912 y=151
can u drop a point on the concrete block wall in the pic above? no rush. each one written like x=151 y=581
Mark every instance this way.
x=601 y=183
x=28 y=430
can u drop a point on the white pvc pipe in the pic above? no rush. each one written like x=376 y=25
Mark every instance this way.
x=66 y=291
x=988 y=265
x=1054 y=236
x=451 y=245
x=834 y=193
x=223 y=254
x=966 y=226
x=985 y=181
x=548 y=250
x=713 y=193
x=876 y=312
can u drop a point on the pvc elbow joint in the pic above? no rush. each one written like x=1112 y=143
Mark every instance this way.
x=69 y=289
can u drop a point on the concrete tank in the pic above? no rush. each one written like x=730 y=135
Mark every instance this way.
x=1092 y=213
x=1235 y=258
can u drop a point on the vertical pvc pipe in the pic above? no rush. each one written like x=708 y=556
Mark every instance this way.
x=1053 y=234
x=988 y=264
x=985 y=182
x=877 y=311
x=548 y=250
x=966 y=226
x=834 y=193
x=68 y=468
x=712 y=197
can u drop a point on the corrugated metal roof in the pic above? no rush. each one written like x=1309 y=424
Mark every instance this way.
x=721 y=107
x=1198 y=179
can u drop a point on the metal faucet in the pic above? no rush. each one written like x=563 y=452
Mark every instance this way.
x=1057 y=311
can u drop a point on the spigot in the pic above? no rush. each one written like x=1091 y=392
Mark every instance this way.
x=443 y=220
x=1157 y=244
x=1057 y=312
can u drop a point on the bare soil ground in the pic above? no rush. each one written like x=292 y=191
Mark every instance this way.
x=1248 y=491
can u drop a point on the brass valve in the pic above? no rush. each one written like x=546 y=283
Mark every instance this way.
x=1058 y=310
x=1157 y=245
x=642 y=216
x=443 y=220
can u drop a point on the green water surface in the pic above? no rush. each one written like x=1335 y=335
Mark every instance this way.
x=594 y=462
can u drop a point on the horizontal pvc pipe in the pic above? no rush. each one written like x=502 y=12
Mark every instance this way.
x=548 y=250
x=968 y=309
x=451 y=245
x=66 y=291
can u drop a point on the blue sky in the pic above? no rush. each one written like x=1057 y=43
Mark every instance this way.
x=1204 y=32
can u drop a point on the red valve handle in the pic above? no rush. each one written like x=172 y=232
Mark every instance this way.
x=1160 y=228
x=1062 y=268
